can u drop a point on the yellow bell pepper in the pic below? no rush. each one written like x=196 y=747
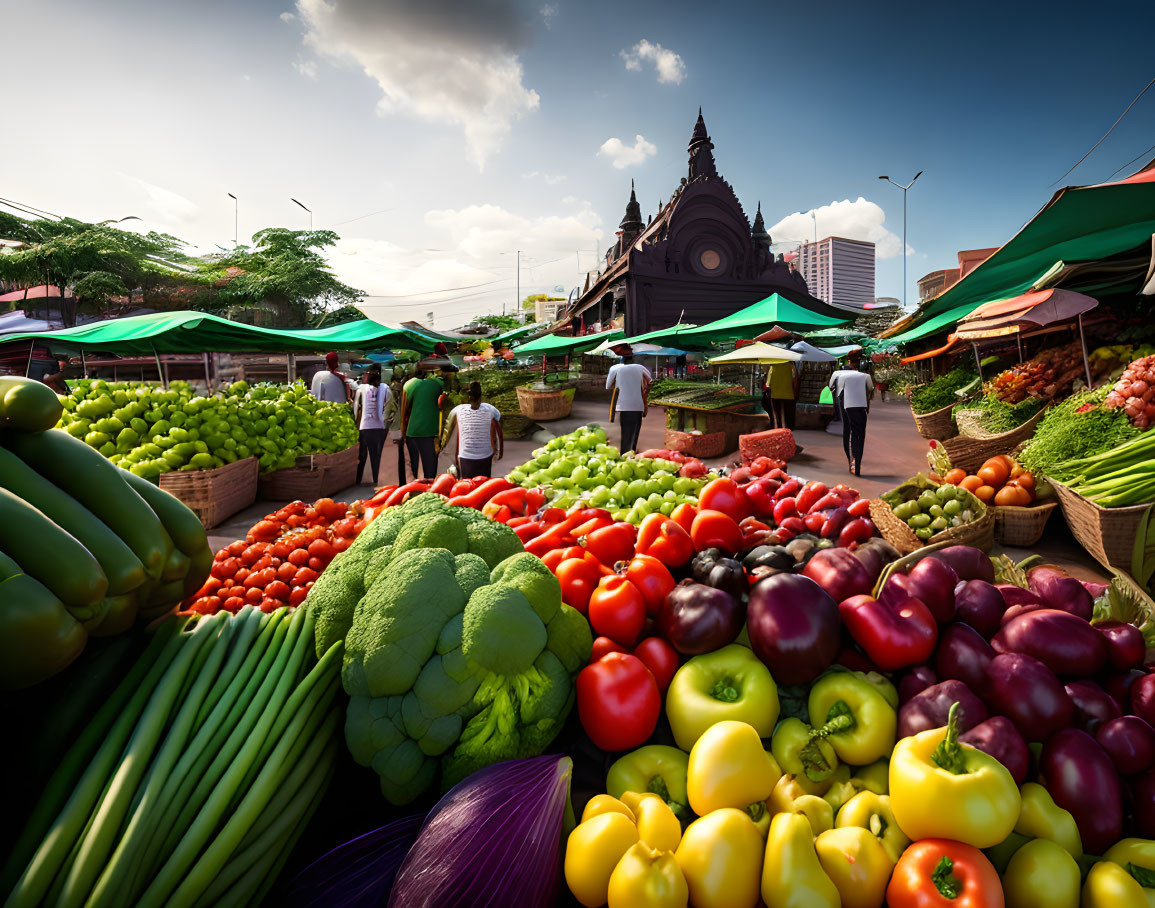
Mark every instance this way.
x=603 y=803
x=759 y=812
x=792 y=875
x=873 y=812
x=648 y=877
x=857 y=713
x=874 y=777
x=802 y=753
x=593 y=851
x=789 y=797
x=1041 y=818
x=721 y=857
x=857 y=865
x=1041 y=873
x=729 y=768
x=1137 y=857
x=940 y=788
x=1109 y=885
x=842 y=788
x=657 y=826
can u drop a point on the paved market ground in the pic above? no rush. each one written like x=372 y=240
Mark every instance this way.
x=894 y=452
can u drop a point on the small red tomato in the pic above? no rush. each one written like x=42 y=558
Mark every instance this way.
x=261 y=563
x=241 y=576
x=814 y=521
x=281 y=548
x=617 y=610
x=859 y=508
x=317 y=564
x=270 y=605
x=321 y=548
x=713 y=529
x=297 y=595
x=286 y=571
x=341 y=543
x=660 y=658
x=723 y=495
x=225 y=569
x=653 y=580
x=296 y=520
x=298 y=557
x=602 y=646
x=254 y=595
x=304 y=575
x=684 y=515
x=578 y=579
x=237 y=548
x=234 y=604
x=618 y=702
x=277 y=590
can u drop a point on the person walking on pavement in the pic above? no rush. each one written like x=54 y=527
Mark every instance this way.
x=55 y=379
x=329 y=384
x=420 y=420
x=853 y=390
x=369 y=412
x=632 y=383
x=778 y=394
x=479 y=435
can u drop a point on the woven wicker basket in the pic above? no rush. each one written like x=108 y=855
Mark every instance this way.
x=970 y=453
x=215 y=495
x=709 y=444
x=315 y=476
x=979 y=532
x=543 y=406
x=1021 y=527
x=937 y=425
x=1107 y=533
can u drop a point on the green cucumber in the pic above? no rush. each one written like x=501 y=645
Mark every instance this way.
x=28 y=405
x=122 y=568
x=49 y=553
x=97 y=484
x=39 y=637
x=185 y=528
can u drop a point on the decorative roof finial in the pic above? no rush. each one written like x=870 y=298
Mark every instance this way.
x=759 y=232
x=701 y=151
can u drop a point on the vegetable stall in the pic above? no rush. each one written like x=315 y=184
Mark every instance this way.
x=600 y=679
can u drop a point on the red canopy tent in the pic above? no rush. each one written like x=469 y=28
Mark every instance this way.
x=41 y=291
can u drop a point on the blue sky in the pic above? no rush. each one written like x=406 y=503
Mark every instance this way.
x=440 y=136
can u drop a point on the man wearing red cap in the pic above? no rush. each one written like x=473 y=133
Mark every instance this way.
x=329 y=384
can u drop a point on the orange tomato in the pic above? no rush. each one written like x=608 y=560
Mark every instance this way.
x=1012 y=495
x=1016 y=470
x=970 y=483
x=984 y=493
x=955 y=476
x=994 y=473
x=1027 y=481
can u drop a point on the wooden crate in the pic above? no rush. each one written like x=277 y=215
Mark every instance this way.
x=215 y=495
x=314 y=476
x=710 y=444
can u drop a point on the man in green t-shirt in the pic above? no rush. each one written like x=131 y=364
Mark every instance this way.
x=420 y=420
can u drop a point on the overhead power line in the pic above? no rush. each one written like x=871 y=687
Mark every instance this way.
x=1137 y=157
x=1107 y=133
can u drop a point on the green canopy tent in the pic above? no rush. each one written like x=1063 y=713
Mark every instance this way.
x=1058 y=247
x=553 y=345
x=755 y=319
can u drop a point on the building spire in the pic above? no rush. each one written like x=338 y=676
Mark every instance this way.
x=632 y=223
x=701 y=151
x=761 y=236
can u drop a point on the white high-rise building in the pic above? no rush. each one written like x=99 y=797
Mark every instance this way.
x=839 y=271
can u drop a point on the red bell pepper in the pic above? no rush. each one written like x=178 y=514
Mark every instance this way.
x=660 y=658
x=443 y=484
x=618 y=702
x=894 y=635
x=664 y=538
x=760 y=495
x=551 y=539
x=653 y=580
x=552 y=515
x=684 y=515
x=603 y=646
x=788 y=489
x=617 y=609
x=613 y=543
x=578 y=579
x=534 y=500
x=552 y=559
x=713 y=529
x=479 y=496
x=723 y=494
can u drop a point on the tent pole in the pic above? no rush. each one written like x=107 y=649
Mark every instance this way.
x=978 y=362
x=28 y=368
x=159 y=368
x=1019 y=338
x=208 y=376
x=83 y=364
x=1083 y=347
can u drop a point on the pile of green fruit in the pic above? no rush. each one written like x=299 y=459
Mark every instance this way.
x=150 y=431
x=581 y=466
x=928 y=511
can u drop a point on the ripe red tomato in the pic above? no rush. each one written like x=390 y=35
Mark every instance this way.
x=297 y=595
x=254 y=595
x=653 y=580
x=713 y=529
x=612 y=544
x=234 y=604
x=323 y=549
x=618 y=702
x=684 y=515
x=578 y=579
x=660 y=658
x=281 y=548
x=225 y=569
x=304 y=575
x=317 y=564
x=298 y=557
x=723 y=494
x=277 y=590
x=235 y=549
x=286 y=571
x=603 y=646
x=617 y=610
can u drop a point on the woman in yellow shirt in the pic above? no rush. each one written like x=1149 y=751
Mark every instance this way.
x=778 y=394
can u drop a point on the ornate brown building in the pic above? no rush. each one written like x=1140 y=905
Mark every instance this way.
x=698 y=258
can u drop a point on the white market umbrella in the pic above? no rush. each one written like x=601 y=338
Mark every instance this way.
x=757 y=354
x=812 y=354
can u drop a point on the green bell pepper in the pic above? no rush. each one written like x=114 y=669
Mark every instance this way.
x=655 y=768
x=858 y=713
x=730 y=683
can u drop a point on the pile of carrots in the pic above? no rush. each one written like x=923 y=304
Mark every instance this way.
x=1000 y=481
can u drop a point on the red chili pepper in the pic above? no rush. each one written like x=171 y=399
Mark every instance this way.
x=780 y=474
x=713 y=529
x=859 y=508
x=810 y=494
x=684 y=515
x=786 y=507
x=515 y=522
x=402 y=492
x=597 y=523
x=613 y=543
x=665 y=539
x=443 y=484
x=479 y=496
x=827 y=502
x=858 y=529
x=380 y=496
x=894 y=635
x=723 y=494
x=552 y=515
x=788 y=489
x=553 y=538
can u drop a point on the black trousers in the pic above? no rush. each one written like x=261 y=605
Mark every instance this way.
x=369 y=444
x=471 y=468
x=422 y=448
x=854 y=435
x=631 y=421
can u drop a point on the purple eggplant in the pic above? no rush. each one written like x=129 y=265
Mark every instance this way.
x=793 y=626
x=964 y=655
x=1067 y=645
x=715 y=568
x=1129 y=742
x=696 y=618
x=1029 y=694
x=1118 y=685
x=967 y=561
x=1093 y=705
x=915 y=682
x=931 y=581
x=1126 y=648
x=998 y=737
x=1061 y=591
x=979 y=604
x=929 y=708
x=1082 y=780
x=1143 y=804
x=1143 y=698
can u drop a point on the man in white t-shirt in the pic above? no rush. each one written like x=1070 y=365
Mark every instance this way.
x=632 y=382
x=369 y=406
x=853 y=390
x=329 y=384
x=478 y=427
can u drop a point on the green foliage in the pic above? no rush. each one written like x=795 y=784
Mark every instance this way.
x=500 y=322
x=940 y=392
x=1066 y=434
x=996 y=416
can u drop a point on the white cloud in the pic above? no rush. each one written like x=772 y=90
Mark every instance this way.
x=550 y=179
x=622 y=155
x=307 y=68
x=450 y=61
x=166 y=206
x=857 y=220
x=287 y=17
x=548 y=11
x=669 y=65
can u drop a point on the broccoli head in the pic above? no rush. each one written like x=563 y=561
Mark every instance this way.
x=451 y=666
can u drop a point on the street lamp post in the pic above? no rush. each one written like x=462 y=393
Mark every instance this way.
x=904 y=189
x=295 y=202
x=236 y=217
